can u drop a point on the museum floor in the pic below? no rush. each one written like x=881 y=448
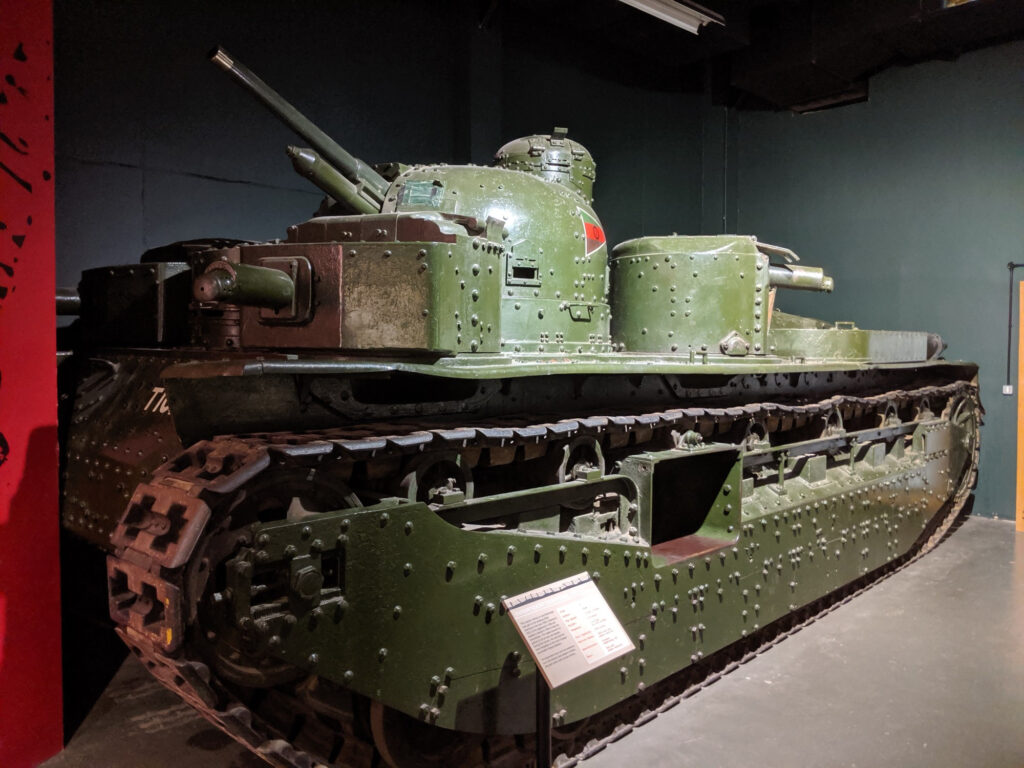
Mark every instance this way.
x=926 y=669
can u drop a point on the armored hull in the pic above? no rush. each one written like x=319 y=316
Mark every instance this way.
x=444 y=390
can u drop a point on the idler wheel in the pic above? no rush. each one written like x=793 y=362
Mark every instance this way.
x=436 y=479
x=581 y=459
x=890 y=417
x=833 y=424
x=577 y=459
x=756 y=435
x=923 y=410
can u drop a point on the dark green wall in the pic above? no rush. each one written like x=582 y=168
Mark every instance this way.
x=154 y=144
x=914 y=201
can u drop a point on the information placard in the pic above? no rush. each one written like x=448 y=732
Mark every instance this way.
x=568 y=627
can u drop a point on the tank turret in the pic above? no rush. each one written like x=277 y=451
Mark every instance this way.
x=553 y=157
x=728 y=293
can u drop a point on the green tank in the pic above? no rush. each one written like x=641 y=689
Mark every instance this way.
x=320 y=464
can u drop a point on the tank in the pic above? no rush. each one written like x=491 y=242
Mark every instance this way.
x=319 y=464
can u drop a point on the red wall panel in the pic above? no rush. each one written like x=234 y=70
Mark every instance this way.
x=30 y=671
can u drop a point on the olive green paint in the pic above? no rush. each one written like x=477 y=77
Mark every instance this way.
x=775 y=543
x=536 y=224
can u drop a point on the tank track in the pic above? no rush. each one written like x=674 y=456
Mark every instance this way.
x=287 y=728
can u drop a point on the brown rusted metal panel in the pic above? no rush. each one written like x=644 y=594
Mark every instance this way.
x=386 y=299
x=324 y=329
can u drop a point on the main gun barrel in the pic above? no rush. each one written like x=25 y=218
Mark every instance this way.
x=372 y=185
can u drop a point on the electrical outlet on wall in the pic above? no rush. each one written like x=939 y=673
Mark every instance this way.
x=1007 y=389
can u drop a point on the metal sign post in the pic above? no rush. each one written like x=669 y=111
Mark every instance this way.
x=544 y=756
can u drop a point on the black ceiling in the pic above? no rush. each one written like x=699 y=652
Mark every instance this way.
x=771 y=54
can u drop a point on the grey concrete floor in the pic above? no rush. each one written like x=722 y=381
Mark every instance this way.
x=137 y=723
x=925 y=669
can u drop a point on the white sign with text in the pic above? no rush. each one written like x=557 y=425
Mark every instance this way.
x=568 y=627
